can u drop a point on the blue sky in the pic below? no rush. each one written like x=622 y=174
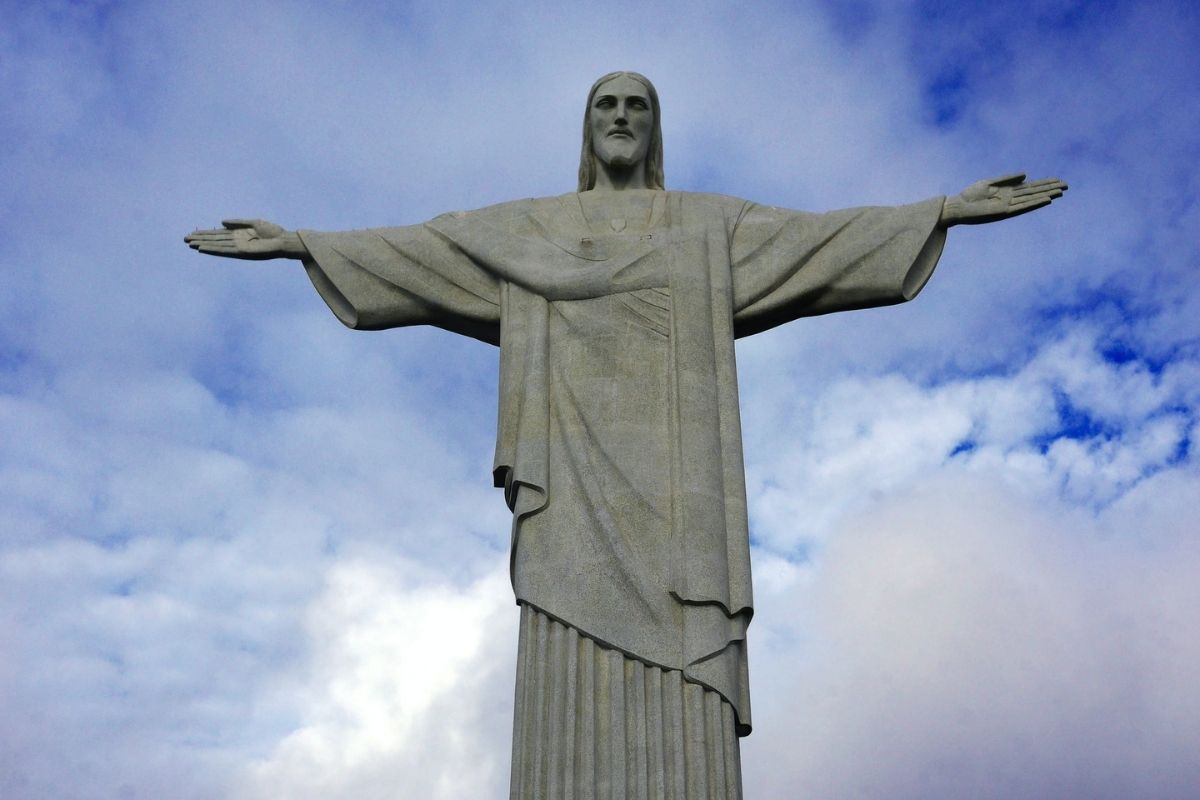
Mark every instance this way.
x=246 y=553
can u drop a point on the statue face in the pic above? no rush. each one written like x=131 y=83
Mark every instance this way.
x=621 y=121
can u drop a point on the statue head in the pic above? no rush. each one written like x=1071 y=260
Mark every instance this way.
x=652 y=163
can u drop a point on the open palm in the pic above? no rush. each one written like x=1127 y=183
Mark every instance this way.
x=1000 y=198
x=241 y=238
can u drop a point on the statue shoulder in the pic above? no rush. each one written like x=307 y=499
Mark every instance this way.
x=714 y=207
x=500 y=212
x=710 y=199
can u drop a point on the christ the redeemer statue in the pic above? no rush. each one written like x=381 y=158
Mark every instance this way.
x=619 y=446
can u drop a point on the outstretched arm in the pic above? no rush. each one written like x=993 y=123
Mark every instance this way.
x=248 y=238
x=999 y=198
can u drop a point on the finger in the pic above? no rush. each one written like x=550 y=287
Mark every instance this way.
x=212 y=241
x=209 y=236
x=1051 y=193
x=234 y=224
x=1047 y=184
x=213 y=232
x=1011 y=179
x=1037 y=184
x=1024 y=208
x=1041 y=181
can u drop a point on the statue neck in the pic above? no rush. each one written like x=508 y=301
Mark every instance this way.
x=611 y=178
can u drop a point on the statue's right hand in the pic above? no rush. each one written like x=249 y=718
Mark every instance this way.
x=246 y=238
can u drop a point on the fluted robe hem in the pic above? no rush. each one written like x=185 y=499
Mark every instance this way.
x=594 y=723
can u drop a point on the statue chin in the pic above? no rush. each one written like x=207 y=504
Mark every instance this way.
x=623 y=156
x=620 y=163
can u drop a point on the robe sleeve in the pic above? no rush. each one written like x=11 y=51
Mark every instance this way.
x=791 y=264
x=392 y=277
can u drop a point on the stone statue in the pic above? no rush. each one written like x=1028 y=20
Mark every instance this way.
x=619 y=445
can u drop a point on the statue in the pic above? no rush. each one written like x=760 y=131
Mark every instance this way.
x=619 y=445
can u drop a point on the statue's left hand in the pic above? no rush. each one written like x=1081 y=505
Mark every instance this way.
x=255 y=239
x=1000 y=198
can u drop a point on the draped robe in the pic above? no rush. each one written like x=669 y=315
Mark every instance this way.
x=619 y=443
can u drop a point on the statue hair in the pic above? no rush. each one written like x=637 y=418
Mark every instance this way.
x=654 y=153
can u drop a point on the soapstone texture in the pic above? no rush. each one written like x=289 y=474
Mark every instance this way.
x=619 y=441
x=619 y=445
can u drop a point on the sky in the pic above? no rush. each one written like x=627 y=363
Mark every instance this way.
x=246 y=553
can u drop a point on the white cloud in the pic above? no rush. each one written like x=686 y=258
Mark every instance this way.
x=969 y=639
x=410 y=689
x=862 y=436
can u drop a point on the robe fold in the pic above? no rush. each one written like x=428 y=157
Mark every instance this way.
x=619 y=442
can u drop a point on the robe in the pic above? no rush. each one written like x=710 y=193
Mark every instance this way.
x=619 y=443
